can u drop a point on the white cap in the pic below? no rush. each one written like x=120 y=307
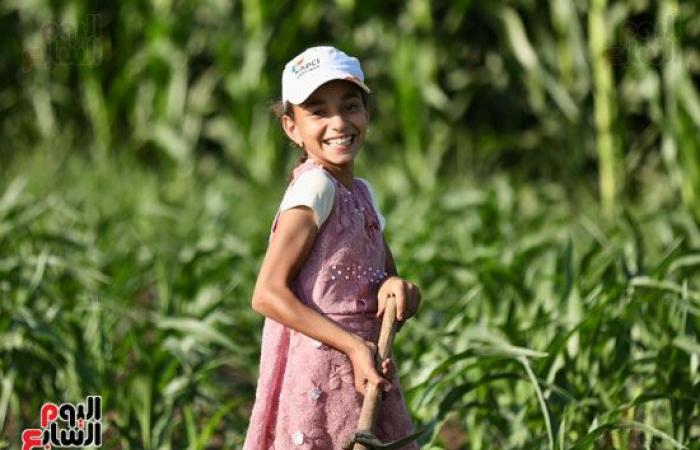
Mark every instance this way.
x=316 y=66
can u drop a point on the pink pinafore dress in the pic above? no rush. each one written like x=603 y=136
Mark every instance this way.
x=306 y=396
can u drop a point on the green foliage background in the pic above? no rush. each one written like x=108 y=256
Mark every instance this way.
x=538 y=163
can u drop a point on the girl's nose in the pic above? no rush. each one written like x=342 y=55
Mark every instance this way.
x=338 y=121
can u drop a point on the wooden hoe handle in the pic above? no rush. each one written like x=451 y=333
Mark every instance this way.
x=373 y=393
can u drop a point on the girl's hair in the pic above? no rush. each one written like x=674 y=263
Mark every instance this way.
x=281 y=108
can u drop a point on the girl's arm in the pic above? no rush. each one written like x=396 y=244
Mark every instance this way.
x=290 y=246
x=389 y=265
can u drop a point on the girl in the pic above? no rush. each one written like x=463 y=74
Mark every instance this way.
x=327 y=273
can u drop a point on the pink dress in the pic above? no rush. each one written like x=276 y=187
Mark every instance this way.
x=306 y=397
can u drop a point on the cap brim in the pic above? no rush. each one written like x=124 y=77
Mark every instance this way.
x=315 y=83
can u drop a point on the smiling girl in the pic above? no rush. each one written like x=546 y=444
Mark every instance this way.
x=327 y=273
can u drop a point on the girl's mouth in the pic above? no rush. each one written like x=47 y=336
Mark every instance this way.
x=341 y=141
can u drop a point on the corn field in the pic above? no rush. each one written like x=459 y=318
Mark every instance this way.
x=538 y=164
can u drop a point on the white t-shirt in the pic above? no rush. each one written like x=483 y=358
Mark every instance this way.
x=316 y=190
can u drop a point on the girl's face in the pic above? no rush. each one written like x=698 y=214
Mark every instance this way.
x=331 y=123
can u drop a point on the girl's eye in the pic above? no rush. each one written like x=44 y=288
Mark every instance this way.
x=353 y=107
x=318 y=113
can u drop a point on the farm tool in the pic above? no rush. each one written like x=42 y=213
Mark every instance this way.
x=364 y=438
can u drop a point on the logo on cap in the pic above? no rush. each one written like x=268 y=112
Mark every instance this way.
x=299 y=68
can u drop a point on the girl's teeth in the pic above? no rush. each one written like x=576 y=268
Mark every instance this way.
x=341 y=141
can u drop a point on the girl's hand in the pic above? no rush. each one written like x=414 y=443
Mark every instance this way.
x=362 y=358
x=388 y=369
x=407 y=296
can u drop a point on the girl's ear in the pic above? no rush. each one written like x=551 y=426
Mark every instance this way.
x=291 y=129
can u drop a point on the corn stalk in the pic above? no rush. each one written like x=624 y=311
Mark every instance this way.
x=604 y=107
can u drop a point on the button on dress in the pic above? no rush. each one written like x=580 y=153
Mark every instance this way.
x=306 y=396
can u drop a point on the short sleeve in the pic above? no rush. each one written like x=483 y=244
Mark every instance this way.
x=373 y=196
x=314 y=189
